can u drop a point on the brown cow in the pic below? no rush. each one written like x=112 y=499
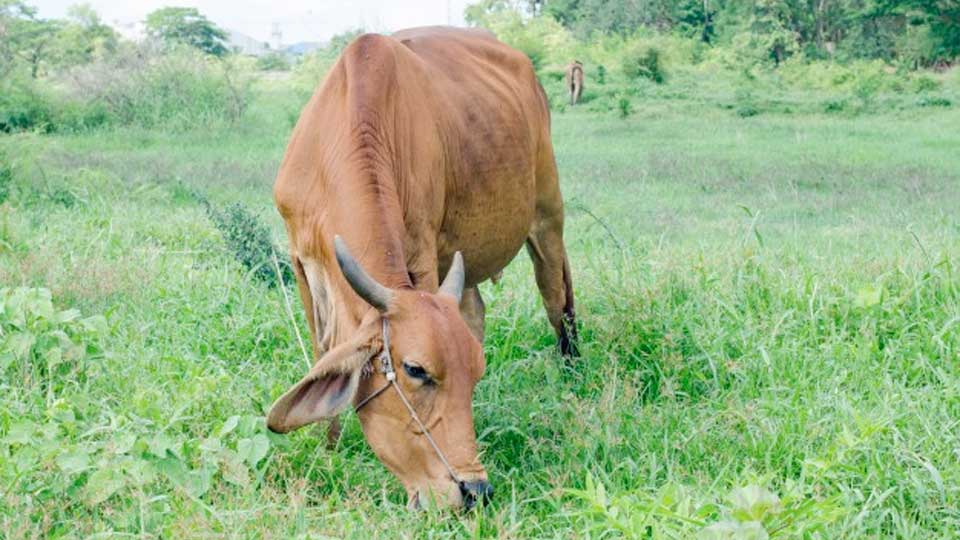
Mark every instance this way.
x=416 y=147
x=575 y=81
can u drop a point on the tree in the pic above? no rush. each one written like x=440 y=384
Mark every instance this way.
x=772 y=29
x=23 y=36
x=186 y=26
x=82 y=38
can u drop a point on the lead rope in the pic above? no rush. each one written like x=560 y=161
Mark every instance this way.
x=386 y=367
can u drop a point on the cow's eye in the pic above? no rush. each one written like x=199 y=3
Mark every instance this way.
x=416 y=372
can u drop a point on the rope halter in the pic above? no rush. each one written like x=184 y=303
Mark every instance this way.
x=386 y=367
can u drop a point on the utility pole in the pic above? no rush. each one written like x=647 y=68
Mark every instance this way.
x=276 y=35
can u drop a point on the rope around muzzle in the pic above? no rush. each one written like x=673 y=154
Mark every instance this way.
x=386 y=367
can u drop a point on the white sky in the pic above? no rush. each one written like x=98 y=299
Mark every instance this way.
x=299 y=20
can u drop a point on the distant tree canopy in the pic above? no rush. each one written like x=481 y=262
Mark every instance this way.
x=186 y=26
x=39 y=43
x=919 y=32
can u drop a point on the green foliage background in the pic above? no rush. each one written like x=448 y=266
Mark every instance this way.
x=764 y=245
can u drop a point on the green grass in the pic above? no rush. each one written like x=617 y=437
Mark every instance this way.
x=770 y=301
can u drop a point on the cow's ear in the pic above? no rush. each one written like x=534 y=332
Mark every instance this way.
x=330 y=385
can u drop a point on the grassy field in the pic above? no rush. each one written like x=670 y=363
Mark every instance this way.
x=770 y=311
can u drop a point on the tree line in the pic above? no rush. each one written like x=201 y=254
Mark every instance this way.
x=918 y=33
x=27 y=40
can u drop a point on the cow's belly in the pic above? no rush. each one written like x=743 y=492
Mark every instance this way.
x=488 y=225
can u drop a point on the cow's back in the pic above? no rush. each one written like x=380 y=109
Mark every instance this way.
x=452 y=121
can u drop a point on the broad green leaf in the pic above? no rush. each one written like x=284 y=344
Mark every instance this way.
x=124 y=443
x=229 y=425
x=21 y=433
x=95 y=324
x=733 y=530
x=20 y=344
x=173 y=469
x=210 y=445
x=234 y=469
x=160 y=444
x=68 y=315
x=868 y=296
x=753 y=503
x=254 y=449
x=74 y=461
x=53 y=357
x=102 y=484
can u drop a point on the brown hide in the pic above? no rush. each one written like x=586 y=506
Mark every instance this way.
x=416 y=146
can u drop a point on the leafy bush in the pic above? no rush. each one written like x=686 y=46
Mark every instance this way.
x=143 y=86
x=925 y=83
x=748 y=513
x=29 y=105
x=933 y=101
x=624 y=107
x=746 y=105
x=273 y=61
x=23 y=106
x=601 y=75
x=248 y=239
x=41 y=347
x=6 y=179
x=644 y=62
x=835 y=105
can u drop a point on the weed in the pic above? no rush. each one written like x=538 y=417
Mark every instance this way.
x=933 y=101
x=249 y=241
x=601 y=74
x=624 y=107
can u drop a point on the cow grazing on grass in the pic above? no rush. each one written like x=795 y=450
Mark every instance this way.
x=417 y=148
x=574 y=78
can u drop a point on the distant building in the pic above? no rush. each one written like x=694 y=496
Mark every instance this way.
x=245 y=44
x=302 y=48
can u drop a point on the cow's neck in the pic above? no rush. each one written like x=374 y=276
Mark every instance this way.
x=373 y=230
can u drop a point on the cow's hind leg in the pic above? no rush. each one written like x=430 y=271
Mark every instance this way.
x=472 y=309
x=552 y=269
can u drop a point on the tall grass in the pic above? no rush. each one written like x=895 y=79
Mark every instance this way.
x=769 y=313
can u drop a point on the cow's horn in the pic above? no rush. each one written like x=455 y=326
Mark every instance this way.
x=453 y=283
x=374 y=293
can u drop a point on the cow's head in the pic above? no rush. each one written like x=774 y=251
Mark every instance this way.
x=437 y=361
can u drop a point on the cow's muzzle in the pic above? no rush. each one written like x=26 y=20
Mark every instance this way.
x=474 y=491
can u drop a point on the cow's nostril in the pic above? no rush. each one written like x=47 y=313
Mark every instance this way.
x=474 y=491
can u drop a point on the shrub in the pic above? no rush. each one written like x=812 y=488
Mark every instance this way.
x=925 y=83
x=644 y=62
x=933 y=101
x=834 y=105
x=866 y=87
x=273 y=61
x=143 y=86
x=601 y=74
x=624 y=107
x=23 y=106
x=310 y=71
x=745 y=104
x=248 y=239
x=746 y=110
x=6 y=179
